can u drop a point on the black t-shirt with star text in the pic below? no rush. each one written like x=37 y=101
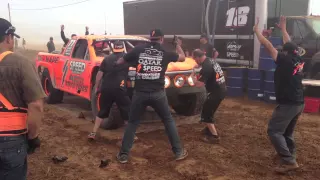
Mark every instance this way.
x=212 y=76
x=151 y=62
x=288 y=79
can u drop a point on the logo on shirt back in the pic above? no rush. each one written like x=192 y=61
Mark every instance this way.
x=150 y=64
x=298 y=68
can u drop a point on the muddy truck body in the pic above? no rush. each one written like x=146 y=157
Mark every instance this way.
x=74 y=70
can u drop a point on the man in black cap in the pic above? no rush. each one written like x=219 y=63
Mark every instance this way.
x=289 y=93
x=50 y=45
x=21 y=107
x=207 y=47
x=151 y=61
x=112 y=87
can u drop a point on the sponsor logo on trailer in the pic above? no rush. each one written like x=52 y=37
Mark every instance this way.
x=233 y=49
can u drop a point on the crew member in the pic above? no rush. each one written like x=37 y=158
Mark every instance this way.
x=206 y=46
x=180 y=42
x=21 y=107
x=112 y=87
x=212 y=76
x=73 y=36
x=50 y=45
x=289 y=93
x=151 y=61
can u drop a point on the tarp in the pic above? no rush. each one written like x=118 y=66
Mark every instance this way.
x=188 y=64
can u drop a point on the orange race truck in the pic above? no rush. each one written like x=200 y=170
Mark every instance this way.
x=74 y=70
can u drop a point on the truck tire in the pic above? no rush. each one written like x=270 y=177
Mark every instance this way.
x=190 y=104
x=54 y=96
x=114 y=121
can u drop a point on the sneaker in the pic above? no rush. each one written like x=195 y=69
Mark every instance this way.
x=122 y=158
x=210 y=139
x=182 y=156
x=92 y=136
x=285 y=168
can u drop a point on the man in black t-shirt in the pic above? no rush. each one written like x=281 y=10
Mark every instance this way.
x=112 y=81
x=212 y=76
x=151 y=61
x=289 y=93
x=206 y=47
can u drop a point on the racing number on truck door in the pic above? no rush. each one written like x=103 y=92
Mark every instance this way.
x=77 y=79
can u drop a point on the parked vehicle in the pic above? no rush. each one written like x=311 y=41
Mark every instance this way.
x=74 y=71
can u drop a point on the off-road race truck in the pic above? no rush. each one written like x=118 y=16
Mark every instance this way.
x=73 y=71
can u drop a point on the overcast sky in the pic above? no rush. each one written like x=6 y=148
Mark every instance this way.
x=38 y=26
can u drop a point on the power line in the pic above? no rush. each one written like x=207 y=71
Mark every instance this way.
x=54 y=7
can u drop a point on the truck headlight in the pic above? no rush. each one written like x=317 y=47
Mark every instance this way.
x=167 y=82
x=179 y=81
x=190 y=81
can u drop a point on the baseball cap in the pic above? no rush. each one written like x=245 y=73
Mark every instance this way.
x=156 y=34
x=6 y=28
x=290 y=47
x=118 y=46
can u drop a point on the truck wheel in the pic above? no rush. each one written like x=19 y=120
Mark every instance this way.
x=190 y=104
x=114 y=121
x=54 y=96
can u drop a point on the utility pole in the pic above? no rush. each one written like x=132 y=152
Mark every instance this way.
x=9 y=12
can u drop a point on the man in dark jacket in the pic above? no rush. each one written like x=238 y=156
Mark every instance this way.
x=50 y=45
x=289 y=93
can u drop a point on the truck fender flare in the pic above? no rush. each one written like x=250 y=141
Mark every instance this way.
x=49 y=67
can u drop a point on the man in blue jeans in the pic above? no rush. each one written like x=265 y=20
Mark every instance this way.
x=21 y=107
x=151 y=61
x=289 y=93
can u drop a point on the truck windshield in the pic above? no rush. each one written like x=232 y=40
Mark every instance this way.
x=315 y=23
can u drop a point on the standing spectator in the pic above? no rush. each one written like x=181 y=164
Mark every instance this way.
x=21 y=107
x=50 y=45
x=289 y=94
x=16 y=43
x=206 y=46
x=24 y=43
x=180 y=43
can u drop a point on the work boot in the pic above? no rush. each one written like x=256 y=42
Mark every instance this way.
x=182 y=155
x=285 y=168
x=92 y=136
x=211 y=139
x=122 y=158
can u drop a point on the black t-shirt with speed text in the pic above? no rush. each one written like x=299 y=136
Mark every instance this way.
x=207 y=49
x=151 y=62
x=288 y=79
x=113 y=76
x=212 y=76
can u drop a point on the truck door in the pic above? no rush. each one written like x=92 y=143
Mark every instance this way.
x=62 y=64
x=78 y=71
x=304 y=37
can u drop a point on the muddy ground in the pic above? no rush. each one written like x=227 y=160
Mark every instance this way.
x=245 y=152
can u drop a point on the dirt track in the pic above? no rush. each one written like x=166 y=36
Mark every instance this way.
x=245 y=152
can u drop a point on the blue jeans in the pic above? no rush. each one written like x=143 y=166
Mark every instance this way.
x=159 y=102
x=13 y=158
